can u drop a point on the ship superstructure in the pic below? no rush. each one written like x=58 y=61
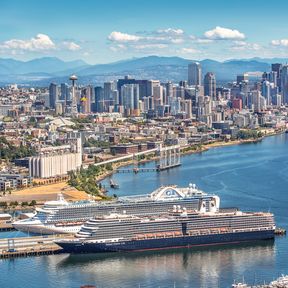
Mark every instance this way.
x=179 y=228
x=63 y=217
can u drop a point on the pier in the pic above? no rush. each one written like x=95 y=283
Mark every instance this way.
x=169 y=157
x=29 y=246
x=136 y=170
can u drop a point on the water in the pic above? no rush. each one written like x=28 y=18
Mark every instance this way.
x=250 y=176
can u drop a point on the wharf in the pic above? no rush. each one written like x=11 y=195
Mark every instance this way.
x=156 y=169
x=37 y=251
x=29 y=246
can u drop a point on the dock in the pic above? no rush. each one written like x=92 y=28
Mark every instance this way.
x=136 y=170
x=28 y=252
x=29 y=246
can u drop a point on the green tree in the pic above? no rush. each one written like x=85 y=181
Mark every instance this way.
x=33 y=203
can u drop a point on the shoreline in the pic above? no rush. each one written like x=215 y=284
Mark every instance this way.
x=204 y=148
x=115 y=166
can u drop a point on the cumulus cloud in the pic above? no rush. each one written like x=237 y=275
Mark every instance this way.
x=72 y=46
x=281 y=42
x=220 y=33
x=123 y=37
x=40 y=42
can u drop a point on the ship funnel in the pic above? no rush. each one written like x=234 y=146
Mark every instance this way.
x=202 y=208
x=214 y=204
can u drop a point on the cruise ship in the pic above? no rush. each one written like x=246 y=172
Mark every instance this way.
x=179 y=228
x=58 y=217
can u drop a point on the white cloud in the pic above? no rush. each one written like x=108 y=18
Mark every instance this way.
x=204 y=41
x=177 y=41
x=151 y=46
x=71 y=46
x=118 y=47
x=220 y=33
x=170 y=31
x=188 y=51
x=40 y=42
x=242 y=45
x=281 y=42
x=123 y=37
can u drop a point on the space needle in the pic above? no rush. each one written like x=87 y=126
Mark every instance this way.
x=74 y=110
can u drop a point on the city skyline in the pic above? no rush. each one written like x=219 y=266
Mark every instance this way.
x=98 y=34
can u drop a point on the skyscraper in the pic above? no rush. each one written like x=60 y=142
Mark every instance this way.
x=194 y=73
x=284 y=84
x=53 y=95
x=277 y=67
x=130 y=95
x=210 y=85
x=99 y=97
x=109 y=87
x=64 y=95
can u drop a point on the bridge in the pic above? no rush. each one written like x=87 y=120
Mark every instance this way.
x=169 y=157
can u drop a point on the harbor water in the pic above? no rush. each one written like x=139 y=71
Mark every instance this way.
x=249 y=176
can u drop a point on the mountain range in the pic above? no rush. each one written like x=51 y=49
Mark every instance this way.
x=42 y=71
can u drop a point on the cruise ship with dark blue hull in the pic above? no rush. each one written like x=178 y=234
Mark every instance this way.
x=167 y=243
x=178 y=228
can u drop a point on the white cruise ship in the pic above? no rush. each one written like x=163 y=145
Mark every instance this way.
x=57 y=217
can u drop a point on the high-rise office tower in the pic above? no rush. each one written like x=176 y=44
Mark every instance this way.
x=109 y=87
x=53 y=95
x=85 y=100
x=242 y=78
x=210 y=85
x=277 y=67
x=266 y=91
x=158 y=95
x=130 y=96
x=150 y=85
x=194 y=73
x=98 y=105
x=64 y=93
x=183 y=83
x=284 y=84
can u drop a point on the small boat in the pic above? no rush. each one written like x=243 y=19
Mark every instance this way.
x=113 y=184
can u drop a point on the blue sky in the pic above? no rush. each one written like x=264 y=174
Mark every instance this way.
x=106 y=31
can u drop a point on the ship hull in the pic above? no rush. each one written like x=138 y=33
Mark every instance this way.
x=164 y=243
x=46 y=229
